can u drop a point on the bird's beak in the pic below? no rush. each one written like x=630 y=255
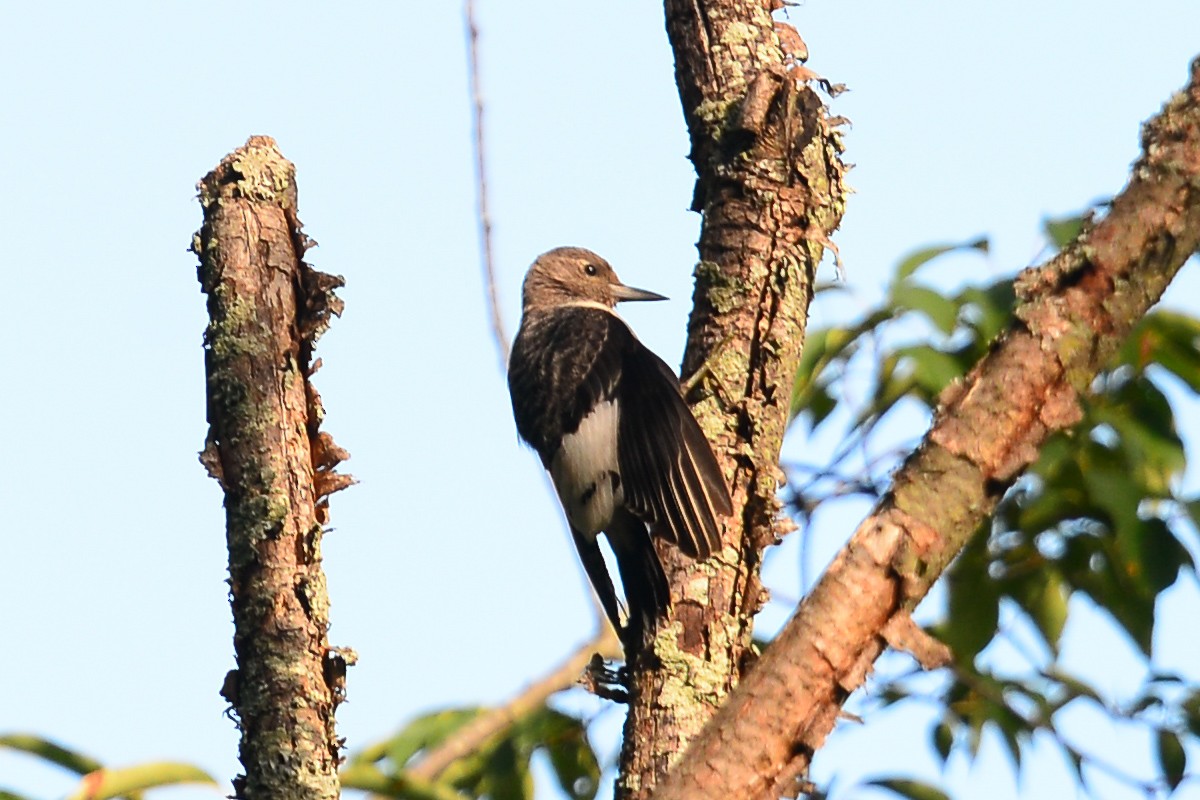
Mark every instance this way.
x=623 y=293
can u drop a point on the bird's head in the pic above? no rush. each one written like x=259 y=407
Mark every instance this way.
x=572 y=274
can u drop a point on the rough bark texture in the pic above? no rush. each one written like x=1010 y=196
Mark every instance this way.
x=266 y=308
x=1071 y=317
x=769 y=187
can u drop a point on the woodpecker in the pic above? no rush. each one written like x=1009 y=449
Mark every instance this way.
x=608 y=419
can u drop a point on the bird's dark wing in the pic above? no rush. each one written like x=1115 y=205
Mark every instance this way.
x=562 y=364
x=568 y=359
x=668 y=471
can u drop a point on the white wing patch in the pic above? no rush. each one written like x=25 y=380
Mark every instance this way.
x=586 y=472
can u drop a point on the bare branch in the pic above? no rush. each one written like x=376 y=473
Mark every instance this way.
x=485 y=219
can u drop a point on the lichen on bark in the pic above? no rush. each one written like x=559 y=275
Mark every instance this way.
x=266 y=307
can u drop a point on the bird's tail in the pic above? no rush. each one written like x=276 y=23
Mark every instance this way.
x=642 y=576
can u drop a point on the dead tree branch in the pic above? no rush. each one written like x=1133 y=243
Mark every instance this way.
x=267 y=308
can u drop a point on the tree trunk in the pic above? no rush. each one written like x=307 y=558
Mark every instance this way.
x=769 y=186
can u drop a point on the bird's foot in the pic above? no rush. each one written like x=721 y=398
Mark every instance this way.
x=602 y=679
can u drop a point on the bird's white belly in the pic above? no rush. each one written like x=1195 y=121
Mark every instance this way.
x=585 y=471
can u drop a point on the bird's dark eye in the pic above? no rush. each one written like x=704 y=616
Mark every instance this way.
x=590 y=269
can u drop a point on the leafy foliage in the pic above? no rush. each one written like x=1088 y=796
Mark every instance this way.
x=1097 y=516
x=98 y=782
x=913 y=790
x=499 y=770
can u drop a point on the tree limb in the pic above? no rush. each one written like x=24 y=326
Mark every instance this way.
x=1072 y=315
x=267 y=308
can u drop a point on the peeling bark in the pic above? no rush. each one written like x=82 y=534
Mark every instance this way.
x=267 y=308
x=769 y=186
x=1071 y=317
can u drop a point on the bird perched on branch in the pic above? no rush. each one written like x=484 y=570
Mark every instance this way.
x=608 y=419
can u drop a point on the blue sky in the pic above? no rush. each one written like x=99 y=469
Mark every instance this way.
x=448 y=567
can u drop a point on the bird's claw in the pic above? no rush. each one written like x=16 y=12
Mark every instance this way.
x=603 y=680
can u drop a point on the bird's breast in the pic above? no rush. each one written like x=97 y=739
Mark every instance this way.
x=586 y=471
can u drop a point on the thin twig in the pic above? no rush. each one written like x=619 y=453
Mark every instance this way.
x=476 y=734
x=488 y=261
x=485 y=219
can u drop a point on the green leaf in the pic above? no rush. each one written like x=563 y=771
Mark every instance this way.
x=919 y=258
x=1112 y=490
x=943 y=739
x=990 y=309
x=1183 y=361
x=1048 y=510
x=1099 y=572
x=1160 y=556
x=1172 y=758
x=1170 y=340
x=507 y=775
x=566 y=743
x=973 y=603
x=1059 y=453
x=1182 y=329
x=1043 y=596
x=368 y=778
x=821 y=349
x=51 y=751
x=1011 y=727
x=941 y=311
x=1062 y=231
x=1148 y=446
x=9 y=794
x=913 y=790
x=423 y=732
x=1191 y=712
x=893 y=385
x=499 y=770
x=932 y=369
x=1193 y=510
x=107 y=783
x=820 y=404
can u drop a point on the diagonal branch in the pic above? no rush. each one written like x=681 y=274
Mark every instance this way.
x=1072 y=315
x=475 y=735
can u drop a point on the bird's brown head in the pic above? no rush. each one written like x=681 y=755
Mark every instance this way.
x=571 y=275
